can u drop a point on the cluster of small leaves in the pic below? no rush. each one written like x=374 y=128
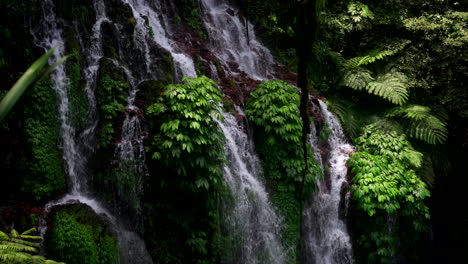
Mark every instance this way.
x=385 y=185
x=453 y=24
x=384 y=177
x=111 y=97
x=18 y=248
x=78 y=238
x=189 y=138
x=274 y=108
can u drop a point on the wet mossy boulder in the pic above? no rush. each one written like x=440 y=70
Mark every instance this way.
x=110 y=44
x=121 y=13
x=78 y=235
x=81 y=11
x=149 y=91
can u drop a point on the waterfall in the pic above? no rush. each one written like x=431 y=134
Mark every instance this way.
x=253 y=227
x=326 y=238
x=149 y=23
x=235 y=41
x=76 y=147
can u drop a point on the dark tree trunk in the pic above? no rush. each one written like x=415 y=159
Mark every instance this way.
x=305 y=37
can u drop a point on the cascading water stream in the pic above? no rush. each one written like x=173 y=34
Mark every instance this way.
x=235 y=41
x=147 y=14
x=326 y=238
x=250 y=220
x=76 y=148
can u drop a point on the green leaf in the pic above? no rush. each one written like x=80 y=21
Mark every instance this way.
x=32 y=74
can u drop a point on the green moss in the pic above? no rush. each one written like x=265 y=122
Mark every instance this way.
x=78 y=236
x=42 y=165
x=284 y=199
x=151 y=91
x=199 y=68
x=79 y=106
x=111 y=96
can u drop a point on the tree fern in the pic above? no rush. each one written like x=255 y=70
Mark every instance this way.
x=349 y=117
x=392 y=86
x=15 y=248
x=370 y=57
x=357 y=78
x=419 y=123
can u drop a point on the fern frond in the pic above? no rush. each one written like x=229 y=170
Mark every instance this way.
x=370 y=57
x=426 y=171
x=24 y=242
x=29 y=231
x=345 y=111
x=3 y=236
x=13 y=246
x=386 y=124
x=13 y=257
x=392 y=86
x=421 y=124
x=357 y=78
x=14 y=233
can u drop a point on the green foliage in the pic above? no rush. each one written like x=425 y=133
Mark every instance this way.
x=385 y=184
x=392 y=85
x=274 y=109
x=43 y=172
x=79 y=109
x=18 y=248
x=419 y=123
x=187 y=153
x=35 y=72
x=189 y=138
x=111 y=96
x=191 y=16
x=370 y=57
x=79 y=236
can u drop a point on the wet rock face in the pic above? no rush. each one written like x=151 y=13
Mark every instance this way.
x=121 y=13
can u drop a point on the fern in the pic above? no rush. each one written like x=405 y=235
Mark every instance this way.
x=15 y=248
x=419 y=123
x=348 y=116
x=371 y=57
x=357 y=78
x=392 y=86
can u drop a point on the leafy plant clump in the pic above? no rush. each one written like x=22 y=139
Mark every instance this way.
x=80 y=236
x=187 y=152
x=274 y=109
x=111 y=97
x=386 y=187
x=19 y=248
x=188 y=137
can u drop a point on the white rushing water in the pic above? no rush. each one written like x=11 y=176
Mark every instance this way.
x=147 y=14
x=234 y=40
x=251 y=221
x=327 y=239
x=75 y=147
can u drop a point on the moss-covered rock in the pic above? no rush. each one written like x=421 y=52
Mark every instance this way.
x=149 y=91
x=43 y=175
x=110 y=44
x=78 y=235
x=121 y=13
